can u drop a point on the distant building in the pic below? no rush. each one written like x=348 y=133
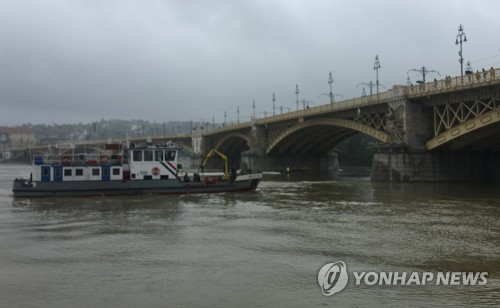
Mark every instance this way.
x=16 y=137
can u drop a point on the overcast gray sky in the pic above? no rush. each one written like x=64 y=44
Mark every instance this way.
x=68 y=61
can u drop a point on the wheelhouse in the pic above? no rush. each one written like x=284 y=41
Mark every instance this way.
x=152 y=163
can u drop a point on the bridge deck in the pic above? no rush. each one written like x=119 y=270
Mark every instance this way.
x=447 y=85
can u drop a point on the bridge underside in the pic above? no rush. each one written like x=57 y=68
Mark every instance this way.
x=312 y=140
x=233 y=147
x=319 y=136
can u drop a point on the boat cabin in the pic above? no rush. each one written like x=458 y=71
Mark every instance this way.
x=142 y=163
x=153 y=163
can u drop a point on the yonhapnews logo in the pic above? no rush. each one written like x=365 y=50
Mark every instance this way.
x=333 y=277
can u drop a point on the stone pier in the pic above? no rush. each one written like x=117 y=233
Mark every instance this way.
x=405 y=164
x=327 y=162
x=406 y=159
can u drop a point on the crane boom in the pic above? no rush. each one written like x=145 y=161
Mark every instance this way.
x=224 y=158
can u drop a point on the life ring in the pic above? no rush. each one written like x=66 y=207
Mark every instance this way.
x=155 y=171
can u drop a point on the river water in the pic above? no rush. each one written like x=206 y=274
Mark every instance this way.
x=252 y=249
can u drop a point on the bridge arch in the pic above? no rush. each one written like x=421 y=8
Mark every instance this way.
x=347 y=129
x=233 y=144
x=475 y=125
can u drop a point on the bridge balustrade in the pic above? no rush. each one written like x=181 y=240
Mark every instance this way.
x=476 y=79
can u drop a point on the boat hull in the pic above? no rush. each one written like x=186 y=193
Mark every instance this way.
x=25 y=189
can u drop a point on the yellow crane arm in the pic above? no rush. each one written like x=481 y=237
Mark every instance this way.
x=224 y=157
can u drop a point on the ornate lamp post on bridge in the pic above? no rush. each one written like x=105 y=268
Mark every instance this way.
x=297 y=94
x=369 y=84
x=282 y=107
x=274 y=107
x=461 y=37
x=422 y=72
x=376 y=67
x=330 y=81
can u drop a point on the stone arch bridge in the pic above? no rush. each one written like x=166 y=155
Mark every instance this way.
x=444 y=130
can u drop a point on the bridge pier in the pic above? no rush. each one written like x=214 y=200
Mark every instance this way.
x=254 y=162
x=326 y=163
x=404 y=164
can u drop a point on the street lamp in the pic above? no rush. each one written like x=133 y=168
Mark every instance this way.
x=461 y=37
x=422 y=72
x=274 y=107
x=369 y=84
x=330 y=81
x=297 y=94
x=376 y=67
x=282 y=107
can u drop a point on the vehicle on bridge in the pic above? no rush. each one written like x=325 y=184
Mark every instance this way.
x=124 y=170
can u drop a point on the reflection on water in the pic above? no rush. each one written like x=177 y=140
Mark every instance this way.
x=262 y=248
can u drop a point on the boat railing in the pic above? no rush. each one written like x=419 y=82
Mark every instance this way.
x=79 y=160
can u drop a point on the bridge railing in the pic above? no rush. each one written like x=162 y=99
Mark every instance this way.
x=349 y=104
x=246 y=124
x=479 y=78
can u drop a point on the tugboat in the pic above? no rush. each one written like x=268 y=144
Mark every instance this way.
x=151 y=169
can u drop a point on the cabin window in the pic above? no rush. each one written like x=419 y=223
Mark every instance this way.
x=79 y=172
x=45 y=171
x=96 y=171
x=116 y=171
x=137 y=156
x=159 y=156
x=170 y=155
x=68 y=172
x=57 y=172
x=148 y=155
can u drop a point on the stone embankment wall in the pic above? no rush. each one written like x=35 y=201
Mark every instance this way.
x=404 y=164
